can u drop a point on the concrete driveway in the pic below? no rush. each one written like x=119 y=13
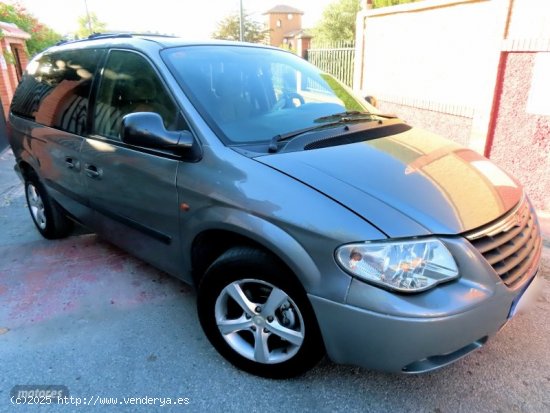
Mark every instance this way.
x=83 y=314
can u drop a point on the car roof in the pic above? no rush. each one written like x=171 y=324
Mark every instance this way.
x=145 y=42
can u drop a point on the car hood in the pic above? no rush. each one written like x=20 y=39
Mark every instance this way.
x=409 y=184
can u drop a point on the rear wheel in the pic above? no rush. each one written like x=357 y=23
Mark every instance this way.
x=46 y=214
x=257 y=316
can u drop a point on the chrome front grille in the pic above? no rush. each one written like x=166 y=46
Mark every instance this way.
x=510 y=245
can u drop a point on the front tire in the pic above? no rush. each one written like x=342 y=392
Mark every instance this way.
x=47 y=216
x=257 y=316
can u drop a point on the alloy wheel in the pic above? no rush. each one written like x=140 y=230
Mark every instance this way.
x=36 y=206
x=259 y=321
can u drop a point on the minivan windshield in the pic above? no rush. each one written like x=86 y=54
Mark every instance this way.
x=253 y=94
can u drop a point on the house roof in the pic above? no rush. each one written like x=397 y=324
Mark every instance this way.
x=300 y=33
x=283 y=9
x=11 y=30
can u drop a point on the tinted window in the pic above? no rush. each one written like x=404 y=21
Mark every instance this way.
x=252 y=94
x=130 y=84
x=56 y=88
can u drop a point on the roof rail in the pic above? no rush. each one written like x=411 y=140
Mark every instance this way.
x=113 y=35
x=126 y=34
x=107 y=35
x=169 y=36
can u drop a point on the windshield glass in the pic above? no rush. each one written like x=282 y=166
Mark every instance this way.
x=251 y=94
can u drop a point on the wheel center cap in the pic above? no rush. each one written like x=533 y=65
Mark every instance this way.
x=258 y=320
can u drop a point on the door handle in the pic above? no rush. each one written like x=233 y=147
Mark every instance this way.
x=71 y=163
x=93 y=171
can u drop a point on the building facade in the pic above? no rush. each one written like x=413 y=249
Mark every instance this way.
x=281 y=21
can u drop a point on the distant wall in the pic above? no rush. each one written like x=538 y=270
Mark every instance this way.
x=13 y=60
x=457 y=127
x=520 y=140
x=466 y=69
x=437 y=56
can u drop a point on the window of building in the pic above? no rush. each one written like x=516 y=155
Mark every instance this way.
x=279 y=23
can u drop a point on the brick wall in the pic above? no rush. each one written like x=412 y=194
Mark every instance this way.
x=8 y=73
x=277 y=32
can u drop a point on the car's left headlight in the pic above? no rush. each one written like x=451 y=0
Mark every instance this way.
x=405 y=266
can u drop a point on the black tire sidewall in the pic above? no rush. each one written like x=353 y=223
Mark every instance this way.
x=258 y=265
x=56 y=223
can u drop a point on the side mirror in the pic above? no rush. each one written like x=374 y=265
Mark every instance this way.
x=147 y=130
x=371 y=100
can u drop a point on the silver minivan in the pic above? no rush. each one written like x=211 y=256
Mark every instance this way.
x=309 y=222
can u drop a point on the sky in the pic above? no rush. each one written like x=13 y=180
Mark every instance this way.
x=191 y=19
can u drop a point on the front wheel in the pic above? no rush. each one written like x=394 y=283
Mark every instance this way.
x=257 y=317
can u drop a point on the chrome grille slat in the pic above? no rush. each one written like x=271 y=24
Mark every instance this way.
x=513 y=261
x=516 y=274
x=509 y=245
x=488 y=243
x=509 y=248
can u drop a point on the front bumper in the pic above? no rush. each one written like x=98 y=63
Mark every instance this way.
x=417 y=333
x=381 y=342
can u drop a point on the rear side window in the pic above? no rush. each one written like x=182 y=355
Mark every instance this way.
x=55 y=90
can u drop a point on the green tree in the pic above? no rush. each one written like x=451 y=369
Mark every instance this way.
x=41 y=35
x=84 y=27
x=338 y=22
x=229 y=29
x=384 y=3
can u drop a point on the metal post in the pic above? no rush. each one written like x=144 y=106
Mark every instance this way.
x=88 y=17
x=241 y=21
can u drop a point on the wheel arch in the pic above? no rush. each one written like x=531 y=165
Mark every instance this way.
x=26 y=169
x=242 y=229
x=27 y=163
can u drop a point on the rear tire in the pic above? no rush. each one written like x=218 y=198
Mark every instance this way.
x=258 y=316
x=47 y=216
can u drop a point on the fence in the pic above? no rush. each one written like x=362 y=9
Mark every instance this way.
x=336 y=59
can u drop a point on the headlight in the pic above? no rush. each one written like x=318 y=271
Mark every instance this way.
x=405 y=266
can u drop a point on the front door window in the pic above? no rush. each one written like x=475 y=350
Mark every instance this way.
x=130 y=84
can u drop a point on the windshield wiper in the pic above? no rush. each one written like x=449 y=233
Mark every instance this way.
x=353 y=115
x=326 y=122
x=289 y=135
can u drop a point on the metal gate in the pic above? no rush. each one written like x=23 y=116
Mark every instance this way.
x=337 y=59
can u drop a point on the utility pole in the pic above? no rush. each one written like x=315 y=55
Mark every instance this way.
x=88 y=17
x=241 y=21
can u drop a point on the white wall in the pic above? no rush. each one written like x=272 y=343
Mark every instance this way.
x=442 y=53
